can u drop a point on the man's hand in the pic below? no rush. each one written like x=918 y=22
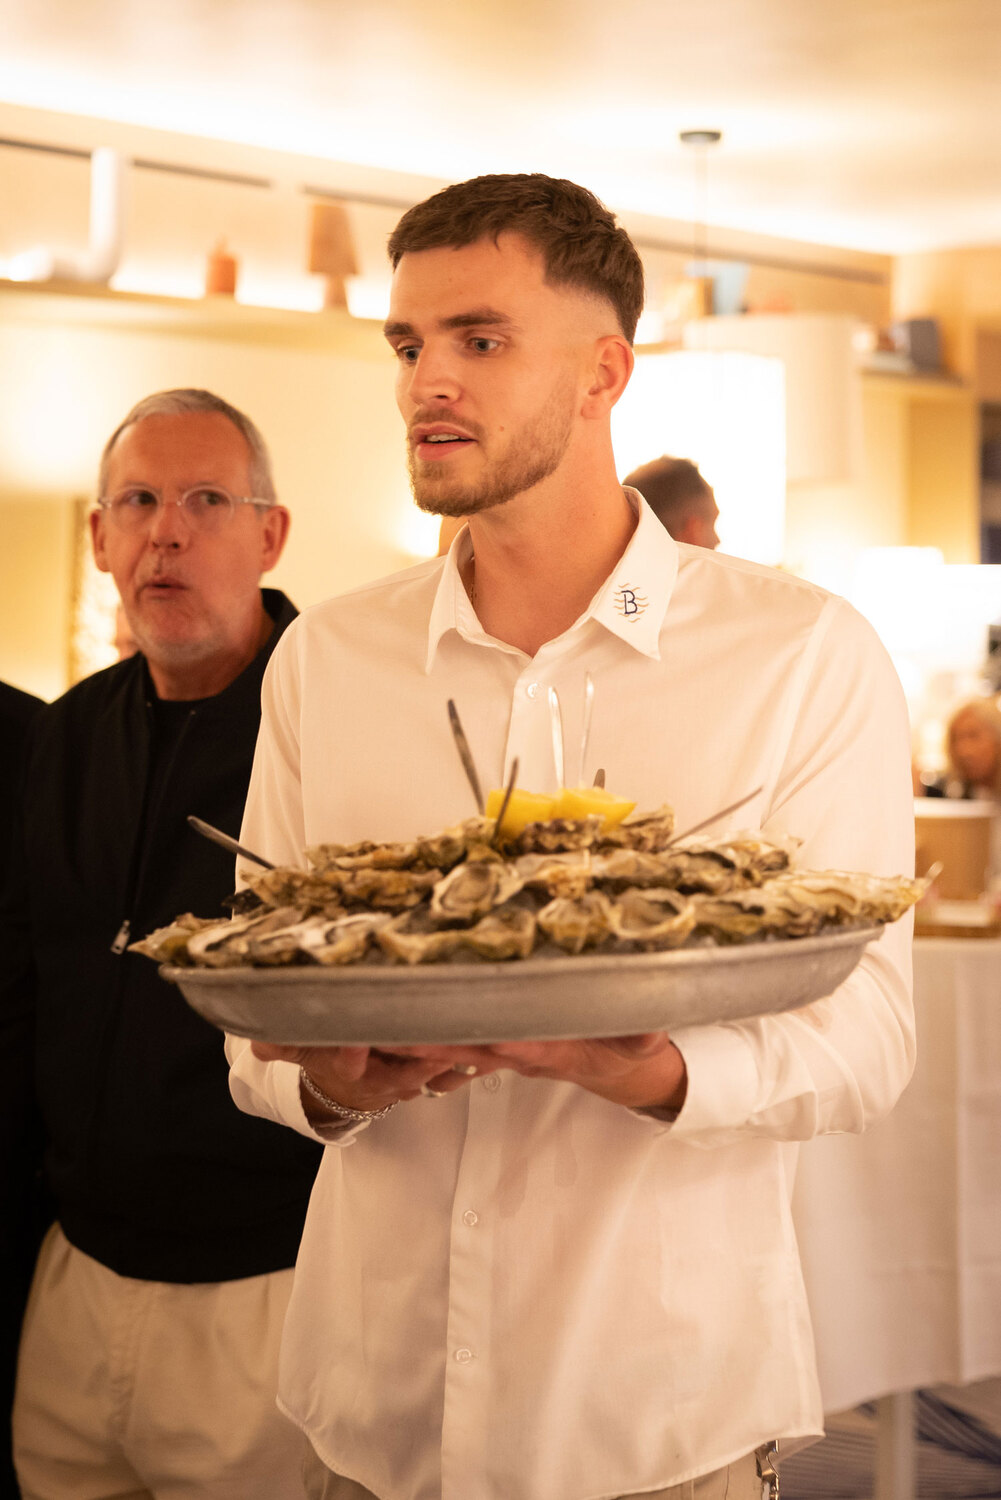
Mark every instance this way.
x=641 y=1072
x=365 y=1078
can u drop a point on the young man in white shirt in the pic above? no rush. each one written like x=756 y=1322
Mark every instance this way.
x=572 y=1274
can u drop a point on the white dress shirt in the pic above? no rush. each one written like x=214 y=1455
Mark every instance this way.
x=522 y=1291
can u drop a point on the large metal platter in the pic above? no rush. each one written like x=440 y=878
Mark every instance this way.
x=590 y=996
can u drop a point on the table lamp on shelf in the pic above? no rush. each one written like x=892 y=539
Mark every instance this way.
x=220 y=272
x=331 y=251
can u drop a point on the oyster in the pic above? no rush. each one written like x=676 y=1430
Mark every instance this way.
x=750 y=912
x=472 y=889
x=283 y=945
x=344 y=940
x=169 y=945
x=507 y=932
x=388 y=889
x=364 y=855
x=652 y=918
x=842 y=897
x=224 y=945
x=567 y=874
x=412 y=939
x=577 y=922
x=556 y=835
x=289 y=885
x=617 y=869
x=648 y=831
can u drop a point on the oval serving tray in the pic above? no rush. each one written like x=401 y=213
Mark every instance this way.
x=592 y=995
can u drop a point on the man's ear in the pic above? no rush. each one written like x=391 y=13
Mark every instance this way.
x=612 y=366
x=97 y=523
x=274 y=534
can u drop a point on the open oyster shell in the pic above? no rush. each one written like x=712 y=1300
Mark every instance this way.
x=472 y=889
x=567 y=874
x=556 y=836
x=223 y=945
x=648 y=831
x=652 y=918
x=577 y=922
x=318 y=940
x=507 y=932
x=306 y=890
x=841 y=896
x=412 y=939
x=169 y=945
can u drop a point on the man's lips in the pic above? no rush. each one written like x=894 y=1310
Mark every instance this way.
x=436 y=442
x=162 y=585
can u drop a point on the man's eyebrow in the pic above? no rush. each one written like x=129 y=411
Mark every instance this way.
x=478 y=317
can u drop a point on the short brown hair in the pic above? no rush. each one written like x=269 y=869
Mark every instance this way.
x=579 y=241
x=672 y=487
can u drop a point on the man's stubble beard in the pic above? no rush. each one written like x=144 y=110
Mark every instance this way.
x=530 y=458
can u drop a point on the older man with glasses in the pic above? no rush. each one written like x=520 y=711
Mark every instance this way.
x=148 y=1361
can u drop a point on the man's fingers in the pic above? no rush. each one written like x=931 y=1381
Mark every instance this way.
x=266 y=1052
x=645 y=1044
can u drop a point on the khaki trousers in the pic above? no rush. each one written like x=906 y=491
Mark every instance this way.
x=147 y=1390
x=738 y=1481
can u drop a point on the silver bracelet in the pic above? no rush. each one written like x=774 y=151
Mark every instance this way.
x=343 y=1110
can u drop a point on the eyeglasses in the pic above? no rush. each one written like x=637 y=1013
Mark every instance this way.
x=206 y=507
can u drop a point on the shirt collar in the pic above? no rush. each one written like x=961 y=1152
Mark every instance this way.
x=631 y=603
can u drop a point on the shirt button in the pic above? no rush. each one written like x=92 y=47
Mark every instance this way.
x=470 y=1217
x=492 y=1082
x=532 y=690
x=463 y=1356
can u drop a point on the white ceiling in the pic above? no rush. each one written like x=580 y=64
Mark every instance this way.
x=871 y=124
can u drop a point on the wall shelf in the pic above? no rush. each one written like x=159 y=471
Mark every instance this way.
x=77 y=304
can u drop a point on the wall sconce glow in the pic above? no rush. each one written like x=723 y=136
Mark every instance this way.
x=417 y=533
x=726 y=412
x=368 y=297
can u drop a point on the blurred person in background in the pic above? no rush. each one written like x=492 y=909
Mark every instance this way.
x=680 y=498
x=973 y=752
x=20 y=1209
x=148 y=1363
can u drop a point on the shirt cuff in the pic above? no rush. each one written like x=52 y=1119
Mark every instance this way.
x=722 y=1079
x=289 y=1099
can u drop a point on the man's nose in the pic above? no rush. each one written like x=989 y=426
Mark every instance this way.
x=433 y=376
x=170 y=526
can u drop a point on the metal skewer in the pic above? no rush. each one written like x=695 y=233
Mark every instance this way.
x=225 y=842
x=586 y=731
x=465 y=754
x=696 y=827
x=556 y=722
x=506 y=799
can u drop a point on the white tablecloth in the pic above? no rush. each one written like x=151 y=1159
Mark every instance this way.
x=900 y=1229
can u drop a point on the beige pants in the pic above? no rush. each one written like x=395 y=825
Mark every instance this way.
x=129 y=1390
x=737 y=1482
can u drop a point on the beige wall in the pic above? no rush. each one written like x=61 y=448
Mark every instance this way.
x=329 y=418
x=35 y=575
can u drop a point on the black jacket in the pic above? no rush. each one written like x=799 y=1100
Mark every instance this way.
x=153 y=1169
x=21 y=1214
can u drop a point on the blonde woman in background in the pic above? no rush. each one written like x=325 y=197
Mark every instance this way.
x=973 y=752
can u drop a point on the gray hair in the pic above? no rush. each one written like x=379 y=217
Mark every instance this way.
x=175 y=404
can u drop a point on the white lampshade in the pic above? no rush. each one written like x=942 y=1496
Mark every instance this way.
x=727 y=413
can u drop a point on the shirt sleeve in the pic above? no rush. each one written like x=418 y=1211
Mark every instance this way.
x=273 y=823
x=840 y=783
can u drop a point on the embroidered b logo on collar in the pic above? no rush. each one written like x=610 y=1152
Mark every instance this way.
x=629 y=602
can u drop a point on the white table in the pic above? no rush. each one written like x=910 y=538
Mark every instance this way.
x=900 y=1229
